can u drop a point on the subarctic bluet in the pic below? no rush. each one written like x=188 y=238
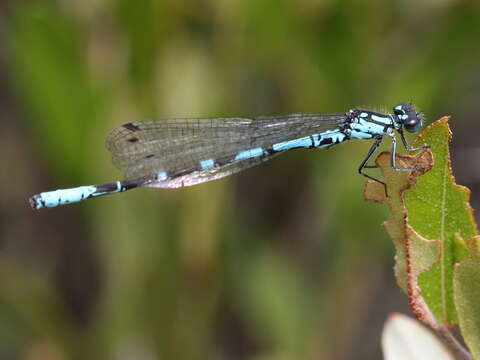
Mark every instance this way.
x=173 y=153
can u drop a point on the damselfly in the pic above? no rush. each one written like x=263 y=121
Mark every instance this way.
x=173 y=153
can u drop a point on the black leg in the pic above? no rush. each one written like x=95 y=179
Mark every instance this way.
x=407 y=146
x=364 y=165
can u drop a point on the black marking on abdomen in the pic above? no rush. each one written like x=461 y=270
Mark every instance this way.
x=269 y=150
x=326 y=141
x=149 y=156
x=130 y=184
x=224 y=160
x=106 y=188
x=132 y=139
x=130 y=126
x=185 y=171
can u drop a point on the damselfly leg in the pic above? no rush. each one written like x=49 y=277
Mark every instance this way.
x=364 y=165
x=407 y=146
x=393 y=154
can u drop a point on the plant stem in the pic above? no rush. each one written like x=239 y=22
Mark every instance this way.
x=443 y=331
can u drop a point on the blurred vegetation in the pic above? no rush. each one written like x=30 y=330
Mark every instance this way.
x=284 y=261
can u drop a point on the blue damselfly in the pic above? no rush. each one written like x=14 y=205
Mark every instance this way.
x=173 y=153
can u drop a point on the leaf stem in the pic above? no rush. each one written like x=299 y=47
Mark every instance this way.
x=443 y=331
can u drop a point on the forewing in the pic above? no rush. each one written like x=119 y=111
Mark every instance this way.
x=176 y=145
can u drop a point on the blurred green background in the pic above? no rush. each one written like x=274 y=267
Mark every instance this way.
x=283 y=261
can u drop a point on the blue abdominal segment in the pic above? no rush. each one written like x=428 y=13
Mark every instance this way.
x=161 y=175
x=206 y=164
x=66 y=196
x=304 y=142
x=329 y=138
x=249 y=154
x=322 y=140
x=62 y=197
x=325 y=139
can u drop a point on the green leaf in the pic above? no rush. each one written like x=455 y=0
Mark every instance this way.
x=430 y=216
x=466 y=287
x=414 y=253
x=439 y=209
x=436 y=209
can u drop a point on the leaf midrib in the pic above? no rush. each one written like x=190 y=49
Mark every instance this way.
x=442 y=241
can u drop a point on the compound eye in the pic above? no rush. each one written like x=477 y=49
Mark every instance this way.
x=412 y=124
